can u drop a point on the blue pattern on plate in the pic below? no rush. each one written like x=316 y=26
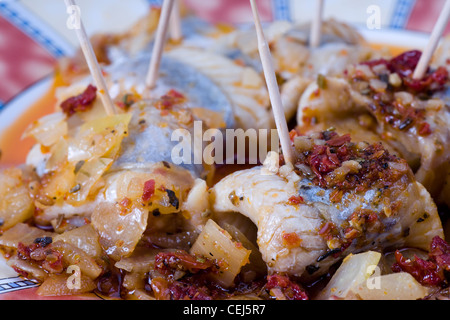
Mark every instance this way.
x=281 y=10
x=401 y=13
x=16 y=14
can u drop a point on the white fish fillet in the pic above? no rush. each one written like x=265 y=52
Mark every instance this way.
x=250 y=98
x=265 y=200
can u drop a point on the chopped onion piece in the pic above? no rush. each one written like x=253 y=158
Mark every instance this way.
x=99 y=138
x=353 y=271
x=395 y=286
x=49 y=129
x=216 y=243
x=86 y=178
x=16 y=204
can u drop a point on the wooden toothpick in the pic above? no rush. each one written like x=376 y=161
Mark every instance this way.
x=316 y=25
x=433 y=42
x=92 y=63
x=272 y=85
x=176 y=33
x=158 y=47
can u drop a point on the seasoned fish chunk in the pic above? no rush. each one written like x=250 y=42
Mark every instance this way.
x=296 y=64
x=244 y=87
x=74 y=174
x=378 y=100
x=340 y=198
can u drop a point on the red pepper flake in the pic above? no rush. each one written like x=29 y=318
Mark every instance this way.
x=48 y=258
x=424 y=129
x=292 y=134
x=337 y=141
x=324 y=159
x=327 y=228
x=239 y=245
x=351 y=233
x=295 y=200
x=336 y=195
x=290 y=289
x=80 y=103
x=175 y=94
x=401 y=116
x=405 y=63
x=440 y=252
x=125 y=202
x=316 y=93
x=362 y=219
x=149 y=190
x=124 y=206
x=170 y=99
x=427 y=272
x=291 y=239
x=169 y=262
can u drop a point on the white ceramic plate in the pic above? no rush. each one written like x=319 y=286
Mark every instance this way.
x=9 y=282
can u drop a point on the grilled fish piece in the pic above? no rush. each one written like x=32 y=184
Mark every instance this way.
x=340 y=198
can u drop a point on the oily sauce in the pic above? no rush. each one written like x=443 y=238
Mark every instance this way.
x=13 y=147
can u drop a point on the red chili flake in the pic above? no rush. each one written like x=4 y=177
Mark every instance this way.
x=428 y=272
x=177 y=290
x=363 y=218
x=296 y=200
x=434 y=81
x=440 y=252
x=80 y=103
x=175 y=94
x=24 y=251
x=125 y=202
x=239 y=245
x=405 y=63
x=291 y=239
x=292 y=134
x=327 y=228
x=424 y=129
x=336 y=195
x=149 y=190
x=351 y=233
x=48 y=258
x=322 y=161
x=316 y=93
x=338 y=141
x=168 y=262
x=425 y=272
x=403 y=117
x=170 y=99
x=290 y=289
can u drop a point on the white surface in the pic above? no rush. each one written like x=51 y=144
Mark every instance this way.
x=114 y=16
